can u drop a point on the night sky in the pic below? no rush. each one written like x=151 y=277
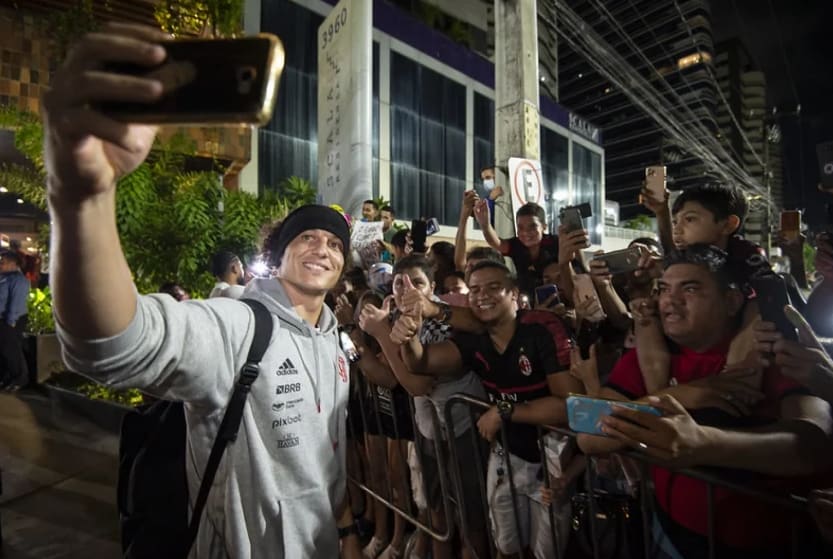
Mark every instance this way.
x=799 y=69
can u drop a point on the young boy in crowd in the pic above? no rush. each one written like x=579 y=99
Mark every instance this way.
x=710 y=214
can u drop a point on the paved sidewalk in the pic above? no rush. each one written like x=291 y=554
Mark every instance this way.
x=59 y=477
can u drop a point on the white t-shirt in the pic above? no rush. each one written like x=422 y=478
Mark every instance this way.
x=223 y=289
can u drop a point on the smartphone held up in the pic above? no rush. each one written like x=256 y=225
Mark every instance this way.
x=208 y=81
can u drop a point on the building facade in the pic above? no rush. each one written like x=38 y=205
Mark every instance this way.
x=672 y=55
x=433 y=119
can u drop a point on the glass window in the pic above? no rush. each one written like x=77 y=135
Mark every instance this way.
x=428 y=142
x=555 y=168
x=587 y=187
x=288 y=146
x=484 y=137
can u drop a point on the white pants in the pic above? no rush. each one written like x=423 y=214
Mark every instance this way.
x=527 y=513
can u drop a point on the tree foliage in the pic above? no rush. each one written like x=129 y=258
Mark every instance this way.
x=170 y=222
x=218 y=18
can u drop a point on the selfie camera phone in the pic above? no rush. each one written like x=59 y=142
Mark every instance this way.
x=544 y=292
x=419 y=232
x=621 y=261
x=571 y=219
x=655 y=181
x=772 y=297
x=584 y=290
x=220 y=81
x=791 y=224
x=585 y=414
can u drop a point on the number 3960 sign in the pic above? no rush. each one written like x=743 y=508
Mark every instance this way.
x=332 y=30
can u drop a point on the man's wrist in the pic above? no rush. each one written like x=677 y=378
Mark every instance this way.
x=430 y=309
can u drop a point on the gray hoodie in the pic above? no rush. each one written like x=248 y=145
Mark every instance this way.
x=280 y=483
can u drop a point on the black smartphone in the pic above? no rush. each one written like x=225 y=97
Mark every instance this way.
x=772 y=297
x=824 y=152
x=621 y=261
x=219 y=81
x=588 y=334
x=544 y=292
x=571 y=219
x=419 y=232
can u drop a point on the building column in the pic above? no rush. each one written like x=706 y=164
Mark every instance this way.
x=517 y=119
x=249 y=181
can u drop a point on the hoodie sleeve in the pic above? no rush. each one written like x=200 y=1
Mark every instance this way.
x=188 y=351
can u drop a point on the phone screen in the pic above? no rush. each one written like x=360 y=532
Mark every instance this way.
x=418 y=235
x=791 y=224
x=584 y=414
x=544 y=292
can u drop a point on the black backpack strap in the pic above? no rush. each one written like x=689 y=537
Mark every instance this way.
x=234 y=413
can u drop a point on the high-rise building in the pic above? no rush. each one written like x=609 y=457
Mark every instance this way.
x=672 y=55
x=758 y=149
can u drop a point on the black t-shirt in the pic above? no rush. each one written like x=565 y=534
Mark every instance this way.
x=530 y=271
x=539 y=348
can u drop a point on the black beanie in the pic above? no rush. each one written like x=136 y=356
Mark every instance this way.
x=303 y=219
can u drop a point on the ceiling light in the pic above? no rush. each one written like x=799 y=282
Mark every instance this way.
x=3 y=189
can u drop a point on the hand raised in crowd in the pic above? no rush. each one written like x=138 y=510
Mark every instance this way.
x=804 y=361
x=571 y=244
x=344 y=310
x=644 y=310
x=674 y=438
x=599 y=270
x=412 y=302
x=647 y=199
x=489 y=424
x=729 y=391
x=85 y=151
x=590 y=310
x=469 y=199
x=374 y=320
x=481 y=211
x=586 y=370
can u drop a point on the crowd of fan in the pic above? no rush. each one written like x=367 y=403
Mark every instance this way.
x=682 y=333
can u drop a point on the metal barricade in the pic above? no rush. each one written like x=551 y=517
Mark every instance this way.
x=796 y=506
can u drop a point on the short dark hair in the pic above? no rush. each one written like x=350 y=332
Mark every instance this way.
x=221 y=262
x=13 y=256
x=170 y=288
x=706 y=256
x=357 y=278
x=372 y=203
x=532 y=210
x=388 y=209
x=487 y=168
x=442 y=250
x=414 y=261
x=719 y=199
x=400 y=238
x=455 y=274
x=485 y=253
x=491 y=264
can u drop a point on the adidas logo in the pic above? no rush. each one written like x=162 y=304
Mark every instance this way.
x=286 y=368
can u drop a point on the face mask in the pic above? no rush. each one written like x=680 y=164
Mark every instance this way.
x=488 y=184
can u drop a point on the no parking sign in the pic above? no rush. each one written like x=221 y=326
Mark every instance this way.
x=525 y=183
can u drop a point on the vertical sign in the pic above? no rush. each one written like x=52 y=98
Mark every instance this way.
x=525 y=184
x=345 y=60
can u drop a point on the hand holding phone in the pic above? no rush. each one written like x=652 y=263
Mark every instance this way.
x=621 y=261
x=584 y=414
x=226 y=81
x=771 y=295
x=585 y=296
x=791 y=225
x=546 y=295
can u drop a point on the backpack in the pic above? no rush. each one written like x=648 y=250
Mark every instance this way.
x=152 y=489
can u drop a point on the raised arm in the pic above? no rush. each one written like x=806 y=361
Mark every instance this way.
x=466 y=211
x=481 y=214
x=85 y=154
x=373 y=320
